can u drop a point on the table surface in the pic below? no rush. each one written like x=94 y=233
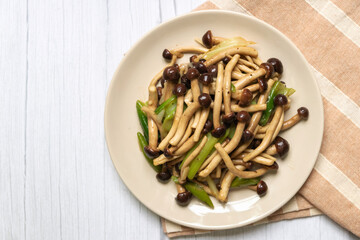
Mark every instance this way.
x=56 y=176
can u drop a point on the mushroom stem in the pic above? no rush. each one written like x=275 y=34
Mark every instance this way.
x=249 y=59
x=231 y=51
x=194 y=153
x=168 y=89
x=244 y=68
x=188 y=97
x=218 y=172
x=228 y=148
x=291 y=122
x=184 y=120
x=255 y=118
x=237 y=75
x=196 y=119
x=158 y=76
x=257 y=60
x=185 y=147
x=179 y=51
x=179 y=188
x=218 y=96
x=162 y=159
x=268 y=136
x=209 y=159
x=187 y=133
x=271 y=150
x=259 y=136
x=226 y=183
x=243 y=146
x=178 y=113
x=237 y=108
x=234 y=170
x=248 y=78
x=150 y=113
x=237 y=94
x=203 y=118
x=227 y=83
x=183 y=174
x=196 y=93
x=248 y=63
x=153 y=133
x=263 y=129
x=278 y=127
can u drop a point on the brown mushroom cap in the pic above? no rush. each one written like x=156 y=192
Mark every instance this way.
x=207 y=127
x=192 y=74
x=282 y=146
x=243 y=116
x=247 y=135
x=245 y=97
x=303 y=113
x=204 y=100
x=164 y=176
x=171 y=74
x=276 y=63
x=150 y=152
x=168 y=153
x=200 y=66
x=167 y=54
x=179 y=90
x=226 y=60
x=212 y=69
x=206 y=79
x=261 y=188
x=207 y=39
x=229 y=118
x=218 y=132
x=268 y=68
x=185 y=81
x=183 y=199
x=280 y=100
x=263 y=86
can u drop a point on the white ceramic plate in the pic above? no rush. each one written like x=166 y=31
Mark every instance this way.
x=130 y=83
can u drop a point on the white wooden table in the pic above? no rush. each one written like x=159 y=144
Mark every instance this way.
x=56 y=178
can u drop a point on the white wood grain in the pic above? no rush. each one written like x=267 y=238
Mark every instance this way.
x=57 y=180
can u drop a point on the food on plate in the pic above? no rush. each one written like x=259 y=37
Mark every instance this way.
x=212 y=124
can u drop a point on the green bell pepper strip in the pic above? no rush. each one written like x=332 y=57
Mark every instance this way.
x=162 y=106
x=142 y=144
x=277 y=88
x=207 y=149
x=142 y=119
x=189 y=152
x=241 y=182
x=199 y=193
x=169 y=116
x=233 y=89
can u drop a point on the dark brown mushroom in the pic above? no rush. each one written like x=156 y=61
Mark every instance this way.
x=243 y=116
x=192 y=74
x=280 y=100
x=261 y=188
x=150 y=152
x=263 y=86
x=180 y=89
x=245 y=97
x=200 y=67
x=185 y=81
x=183 y=198
x=247 y=135
x=226 y=60
x=218 y=132
x=277 y=65
x=268 y=68
x=206 y=79
x=171 y=74
x=192 y=58
x=207 y=127
x=229 y=118
x=167 y=54
x=303 y=113
x=204 y=100
x=282 y=146
x=159 y=92
x=207 y=39
x=212 y=69
x=164 y=176
x=168 y=153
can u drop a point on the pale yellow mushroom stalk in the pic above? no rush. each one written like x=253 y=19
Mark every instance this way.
x=209 y=159
x=179 y=51
x=196 y=93
x=227 y=83
x=218 y=96
x=184 y=120
x=231 y=51
x=249 y=78
x=151 y=114
x=268 y=136
x=162 y=159
x=250 y=108
x=228 y=148
x=178 y=113
x=226 y=183
x=234 y=170
x=243 y=146
x=248 y=63
x=203 y=118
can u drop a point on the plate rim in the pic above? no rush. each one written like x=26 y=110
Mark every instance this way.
x=280 y=203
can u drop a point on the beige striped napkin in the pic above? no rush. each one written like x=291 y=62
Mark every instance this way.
x=328 y=34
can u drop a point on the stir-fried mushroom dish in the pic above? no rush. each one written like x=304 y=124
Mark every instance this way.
x=212 y=124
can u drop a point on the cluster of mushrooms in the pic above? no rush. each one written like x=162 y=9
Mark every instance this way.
x=229 y=88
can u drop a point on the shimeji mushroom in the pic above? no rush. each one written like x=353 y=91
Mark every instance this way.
x=205 y=101
x=226 y=183
x=302 y=113
x=237 y=108
x=231 y=51
x=218 y=129
x=280 y=101
x=248 y=63
x=234 y=142
x=280 y=146
x=210 y=158
x=229 y=116
x=209 y=40
x=245 y=144
x=261 y=188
